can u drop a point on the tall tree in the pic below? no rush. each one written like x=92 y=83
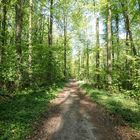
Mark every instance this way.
x=139 y=4
x=87 y=60
x=127 y=27
x=79 y=61
x=50 y=41
x=50 y=32
x=30 y=39
x=117 y=34
x=97 y=52
x=65 y=42
x=18 y=21
x=3 y=35
x=109 y=46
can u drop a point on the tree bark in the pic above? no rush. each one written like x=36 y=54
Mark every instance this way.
x=97 y=53
x=50 y=35
x=79 y=62
x=18 y=21
x=3 y=32
x=87 y=61
x=50 y=42
x=65 y=46
x=117 y=35
x=109 y=52
x=139 y=4
x=127 y=27
x=3 y=39
x=30 y=40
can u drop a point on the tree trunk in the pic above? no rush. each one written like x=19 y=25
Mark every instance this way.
x=79 y=62
x=97 y=53
x=50 y=42
x=113 y=47
x=117 y=35
x=127 y=27
x=41 y=36
x=65 y=46
x=3 y=39
x=50 y=35
x=18 y=21
x=3 y=32
x=30 y=40
x=87 y=62
x=139 y=4
x=109 y=55
x=83 y=63
x=1 y=76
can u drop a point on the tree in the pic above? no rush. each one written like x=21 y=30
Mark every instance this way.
x=18 y=33
x=4 y=20
x=65 y=39
x=41 y=41
x=127 y=27
x=50 y=41
x=117 y=34
x=109 y=46
x=50 y=30
x=97 y=53
x=3 y=37
x=87 y=60
x=30 y=39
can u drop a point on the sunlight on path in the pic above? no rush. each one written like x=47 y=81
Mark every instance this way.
x=70 y=118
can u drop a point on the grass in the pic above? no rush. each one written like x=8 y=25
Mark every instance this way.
x=18 y=113
x=117 y=103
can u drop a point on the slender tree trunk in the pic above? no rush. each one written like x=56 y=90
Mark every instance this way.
x=127 y=27
x=117 y=35
x=65 y=46
x=3 y=32
x=18 y=33
x=133 y=49
x=0 y=22
x=109 y=55
x=113 y=47
x=50 y=35
x=41 y=36
x=87 y=61
x=83 y=62
x=79 y=62
x=97 y=53
x=30 y=40
x=65 y=38
x=139 y=4
x=128 y=69
x=48 y=25
x=50 y=42
x=3 y=39
x=43 y=28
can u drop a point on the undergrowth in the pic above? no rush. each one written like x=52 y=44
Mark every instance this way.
x=117 y=103
x=18 y=113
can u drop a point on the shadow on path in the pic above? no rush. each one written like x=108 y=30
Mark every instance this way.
x=73 y=117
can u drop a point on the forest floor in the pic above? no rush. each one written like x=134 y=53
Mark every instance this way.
x=74 y=116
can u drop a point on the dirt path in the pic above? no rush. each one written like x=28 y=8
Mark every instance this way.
x=74 y=117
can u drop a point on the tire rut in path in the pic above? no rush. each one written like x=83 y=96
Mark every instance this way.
x=75 y=118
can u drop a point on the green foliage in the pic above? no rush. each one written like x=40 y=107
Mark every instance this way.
x=47 y=59
x=117 y=103
x=18 y=113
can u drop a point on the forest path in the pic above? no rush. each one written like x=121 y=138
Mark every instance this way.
x=72 y=116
